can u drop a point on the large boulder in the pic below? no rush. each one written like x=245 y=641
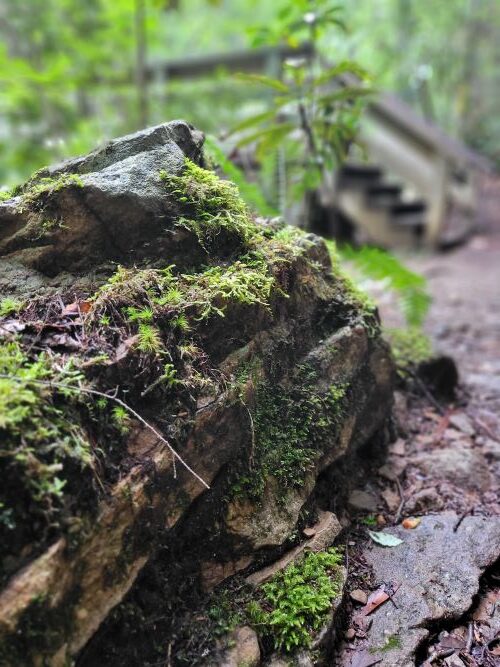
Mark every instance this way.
x=172 y=371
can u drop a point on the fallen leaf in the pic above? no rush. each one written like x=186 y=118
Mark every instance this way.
x=412 y=522
x=124 y=348
x=398 y=448
x=385 y=539
x=11 y=326
x=77 y=307
x=63 y=340
x=375 y=599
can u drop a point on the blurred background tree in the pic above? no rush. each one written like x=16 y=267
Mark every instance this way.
x=72 y=74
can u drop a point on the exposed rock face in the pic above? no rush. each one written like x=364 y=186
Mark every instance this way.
x=437 y=569
x=250 y=357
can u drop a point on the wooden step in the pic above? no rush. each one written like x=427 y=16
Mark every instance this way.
x=409 y=215
x=383 y=194
x=358 y=175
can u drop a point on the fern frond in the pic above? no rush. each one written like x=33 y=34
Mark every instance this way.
x=411 y=287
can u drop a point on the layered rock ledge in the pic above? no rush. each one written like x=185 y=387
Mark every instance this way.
x=173 y=372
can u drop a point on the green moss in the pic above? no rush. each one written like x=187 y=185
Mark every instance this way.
x=392 y=642
x=38 y=439
x=409 y=346
x=213 y=206
x=292 y=426
x=39 y=188
x=5 y=195
x=146 y=295
x=9 y=306
x=296 y=602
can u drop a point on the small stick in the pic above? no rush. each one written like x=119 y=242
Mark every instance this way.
x=470 y=635
x=402 y=503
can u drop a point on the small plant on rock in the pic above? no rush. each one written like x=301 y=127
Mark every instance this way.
x=296 y=602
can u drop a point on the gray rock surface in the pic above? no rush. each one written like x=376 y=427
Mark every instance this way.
x=458 y=464
x=117 y=209
x=438 y=570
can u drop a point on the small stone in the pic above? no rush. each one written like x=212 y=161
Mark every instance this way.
x=393 y=468
x=362 y=500
x=359 y=596
x=462 y=423
x=459 y=465
x=244 y=649
x=398 y=448
x=491 y=448
x=380 y=519
x=350 y=634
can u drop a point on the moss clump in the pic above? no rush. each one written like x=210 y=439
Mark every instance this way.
x=41 y=444
x=410 y=347
x=149 y=295
x=291 y=428
x=213 y=206
x=295 y=603
x=38 y=189
x=9 y=306
x=5 y=195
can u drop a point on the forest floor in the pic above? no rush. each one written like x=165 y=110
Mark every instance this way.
x=435 y=600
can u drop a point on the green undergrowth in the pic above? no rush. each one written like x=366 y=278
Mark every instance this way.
x=292 y=426
x=410 y=287
x=10 y=306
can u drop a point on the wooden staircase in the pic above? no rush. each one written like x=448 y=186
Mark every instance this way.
x=379 y=211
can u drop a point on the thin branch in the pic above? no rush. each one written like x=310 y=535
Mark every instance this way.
x=96 y=392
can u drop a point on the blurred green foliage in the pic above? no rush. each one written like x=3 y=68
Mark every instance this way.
x=68 y=69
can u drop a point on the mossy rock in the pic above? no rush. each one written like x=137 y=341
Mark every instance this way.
x=154 y=330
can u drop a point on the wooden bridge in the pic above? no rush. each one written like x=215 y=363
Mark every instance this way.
x=418 y=186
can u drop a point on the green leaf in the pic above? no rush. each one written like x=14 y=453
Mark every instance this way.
x=263 y=80
x=271 y=135
x=347 y=93
x=345 y=67
x=258 y=119
x=385 y=539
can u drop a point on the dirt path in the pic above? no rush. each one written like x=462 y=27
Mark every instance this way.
x=440 y=587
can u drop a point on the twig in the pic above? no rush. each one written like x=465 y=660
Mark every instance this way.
x=96 y=392
x=252 y=429
x=470 y=637
x=461 y=518
x=403 y=500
